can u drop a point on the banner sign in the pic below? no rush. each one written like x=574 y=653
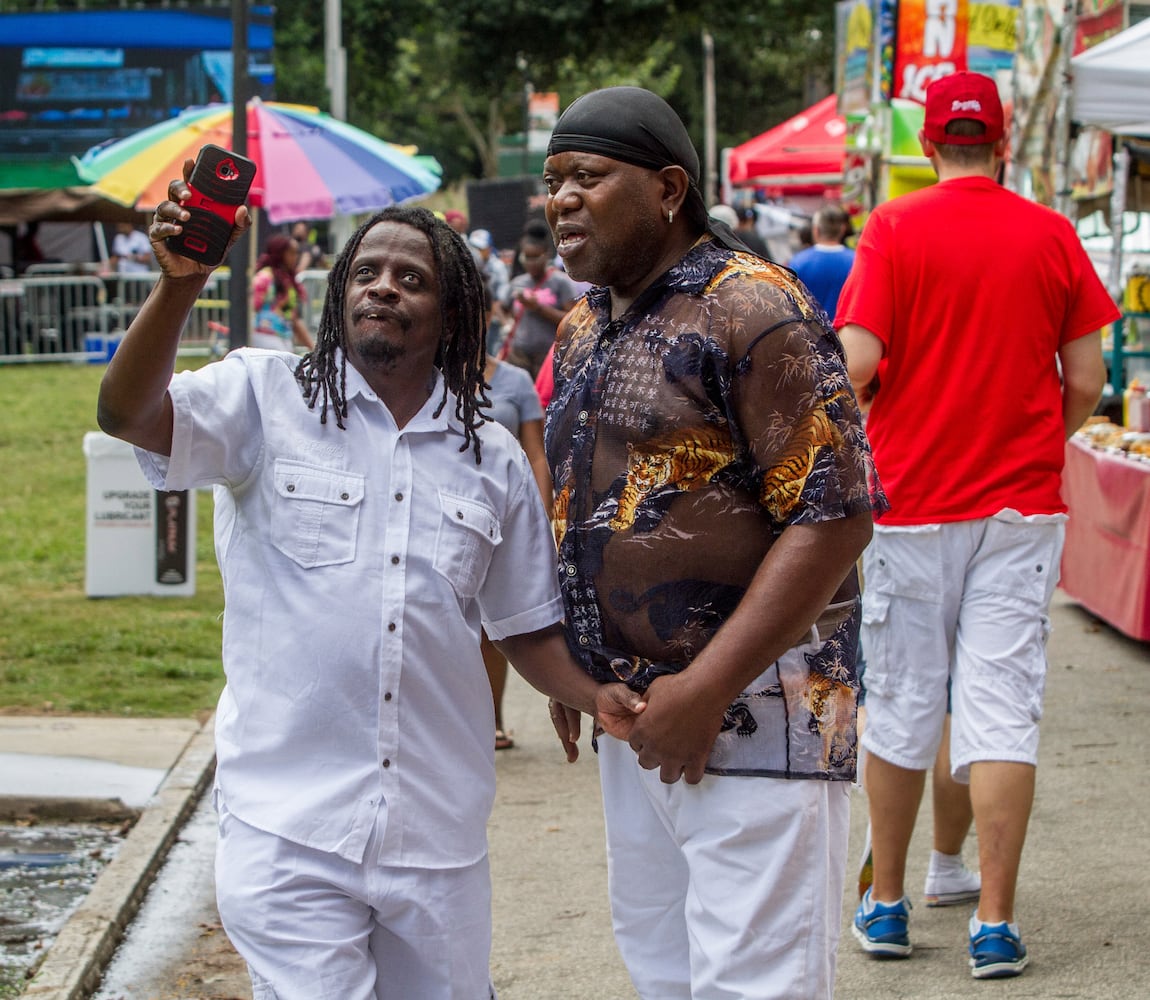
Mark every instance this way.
x=992 y=36
x=1036 y=97
x=887 y=31
x=1091 y=164
x=854 y=61
x=542 y=113
x=1105 y=18
x=932 y=38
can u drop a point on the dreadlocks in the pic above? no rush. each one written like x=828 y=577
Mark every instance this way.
x=462 y=353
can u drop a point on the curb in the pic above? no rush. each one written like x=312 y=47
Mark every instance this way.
x=76 y=960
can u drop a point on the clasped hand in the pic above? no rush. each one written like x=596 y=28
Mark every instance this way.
x=669 y=729
x=616 y=709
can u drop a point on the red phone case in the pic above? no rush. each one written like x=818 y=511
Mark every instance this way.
x=220 y=182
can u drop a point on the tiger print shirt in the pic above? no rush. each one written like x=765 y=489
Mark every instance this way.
x=683 y=438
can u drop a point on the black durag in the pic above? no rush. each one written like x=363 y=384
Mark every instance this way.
x=636 y=126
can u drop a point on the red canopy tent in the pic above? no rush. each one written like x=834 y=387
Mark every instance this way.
x=803 y=155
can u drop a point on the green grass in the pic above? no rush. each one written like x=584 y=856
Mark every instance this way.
x=61 y=651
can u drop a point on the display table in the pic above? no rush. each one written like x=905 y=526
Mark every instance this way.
x=1106 y=562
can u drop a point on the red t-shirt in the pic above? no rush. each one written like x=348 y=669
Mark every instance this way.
x=972 y=289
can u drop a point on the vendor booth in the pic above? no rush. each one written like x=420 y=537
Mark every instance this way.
x=1111 y=80
x=1106 y=481
x=1106 y=561
x=803 y=155
x=1110 y=84
x=796 y=166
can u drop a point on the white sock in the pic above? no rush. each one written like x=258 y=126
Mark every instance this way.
x=943 y=864
x=976 y=924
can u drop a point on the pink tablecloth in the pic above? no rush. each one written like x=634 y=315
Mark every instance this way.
x=1106 y=563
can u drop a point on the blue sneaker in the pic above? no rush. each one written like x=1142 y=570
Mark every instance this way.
x=881 y=927
x=996 y=950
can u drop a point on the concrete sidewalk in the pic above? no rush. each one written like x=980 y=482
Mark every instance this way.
x=1084 y=896
x=81 y=765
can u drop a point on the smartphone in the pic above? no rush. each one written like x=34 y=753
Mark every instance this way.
x=220 y=183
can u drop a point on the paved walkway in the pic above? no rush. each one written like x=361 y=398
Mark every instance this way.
x=1084 y=899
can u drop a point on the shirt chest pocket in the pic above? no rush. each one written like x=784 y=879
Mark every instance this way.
x=315 y=513
x=468 y=534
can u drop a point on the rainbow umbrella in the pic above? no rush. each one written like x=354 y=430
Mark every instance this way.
x=311 y=166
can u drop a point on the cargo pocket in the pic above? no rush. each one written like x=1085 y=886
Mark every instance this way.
x=468 y=534
x=874 y=638
x=315 y=513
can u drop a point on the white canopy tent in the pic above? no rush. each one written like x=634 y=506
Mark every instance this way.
x=1111 y=88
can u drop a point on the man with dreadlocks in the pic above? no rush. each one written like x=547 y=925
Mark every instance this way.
x=368 y=521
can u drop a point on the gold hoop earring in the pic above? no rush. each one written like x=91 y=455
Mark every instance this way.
x=670 y=216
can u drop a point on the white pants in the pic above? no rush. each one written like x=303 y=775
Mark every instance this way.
x=730 y=889
x=314 y=926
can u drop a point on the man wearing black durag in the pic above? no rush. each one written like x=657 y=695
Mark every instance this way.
x=711 y=476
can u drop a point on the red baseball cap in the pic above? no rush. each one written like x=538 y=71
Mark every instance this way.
x=963 y=95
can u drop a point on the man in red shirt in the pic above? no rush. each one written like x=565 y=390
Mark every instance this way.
x=973 y=315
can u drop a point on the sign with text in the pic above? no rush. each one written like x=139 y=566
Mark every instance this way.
x=932 y=38
x=139 y=540
x=992 y=36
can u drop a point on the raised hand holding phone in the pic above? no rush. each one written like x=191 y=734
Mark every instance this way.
x=219 y=184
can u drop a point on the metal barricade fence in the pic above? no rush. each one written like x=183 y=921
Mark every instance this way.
x=210 y=315
x=56 y=267
x=127 y=292
x=81 y=317
x=11 y=296
x=207 y=331
x=54 y=318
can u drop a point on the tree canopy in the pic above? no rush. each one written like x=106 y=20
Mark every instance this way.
x=449 y=75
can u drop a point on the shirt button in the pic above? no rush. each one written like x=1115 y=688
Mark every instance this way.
x=584 y=641
x=399 y=496
x=459 y=514
x=386 y=763
x=570 y=570
x=391 y=626
x=395 y=560
x=583 y=416
x=291 y=487
x=387 y=696
x=603 y=343
x=344 y=496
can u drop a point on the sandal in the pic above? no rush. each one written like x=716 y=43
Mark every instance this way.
x=503 y=741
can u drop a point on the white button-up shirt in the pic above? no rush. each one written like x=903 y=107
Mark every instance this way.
x=358 y=565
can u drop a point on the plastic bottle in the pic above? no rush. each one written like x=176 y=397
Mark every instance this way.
x=1136 y=407
x=1140 y=417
